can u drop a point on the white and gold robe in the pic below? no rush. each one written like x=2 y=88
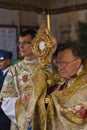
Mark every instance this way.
x=18 y=86
x=29 y=85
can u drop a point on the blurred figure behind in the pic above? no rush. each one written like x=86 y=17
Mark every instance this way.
x=5 y=62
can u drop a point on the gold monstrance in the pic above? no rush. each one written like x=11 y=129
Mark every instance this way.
x=44 y=44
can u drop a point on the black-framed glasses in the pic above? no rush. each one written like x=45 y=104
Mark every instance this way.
x=65 y=63
x=24 y=43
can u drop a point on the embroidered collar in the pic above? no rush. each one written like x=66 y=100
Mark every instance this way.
x=31 y=61
x=80 y=69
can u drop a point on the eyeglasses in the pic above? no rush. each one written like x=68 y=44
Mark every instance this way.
x=24 y=43
x=65 y=63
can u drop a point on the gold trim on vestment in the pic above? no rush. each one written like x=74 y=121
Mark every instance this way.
x=65 y=94
x=71 y=116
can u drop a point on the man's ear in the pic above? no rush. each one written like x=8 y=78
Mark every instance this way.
x=79 y=61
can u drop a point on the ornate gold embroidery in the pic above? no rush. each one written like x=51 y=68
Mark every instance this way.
x=68 y=92
x=70 y=115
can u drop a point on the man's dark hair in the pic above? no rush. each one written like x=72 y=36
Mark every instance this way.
x=58 y=49
x=28 y=32
x=75 y=51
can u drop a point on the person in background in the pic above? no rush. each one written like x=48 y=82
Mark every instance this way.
x=5 y=62
x=19 y=58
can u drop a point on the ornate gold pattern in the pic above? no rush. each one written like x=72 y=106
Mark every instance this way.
x=68 y=92
x=70 y=115
x=44 y=45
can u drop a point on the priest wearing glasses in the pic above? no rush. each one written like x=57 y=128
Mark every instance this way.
x=70 y=100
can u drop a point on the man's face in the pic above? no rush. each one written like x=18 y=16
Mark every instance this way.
x=67 y=64
x=4 y=64
x=25 y=46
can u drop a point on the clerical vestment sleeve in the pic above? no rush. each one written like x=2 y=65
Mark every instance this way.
x=8 y=106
